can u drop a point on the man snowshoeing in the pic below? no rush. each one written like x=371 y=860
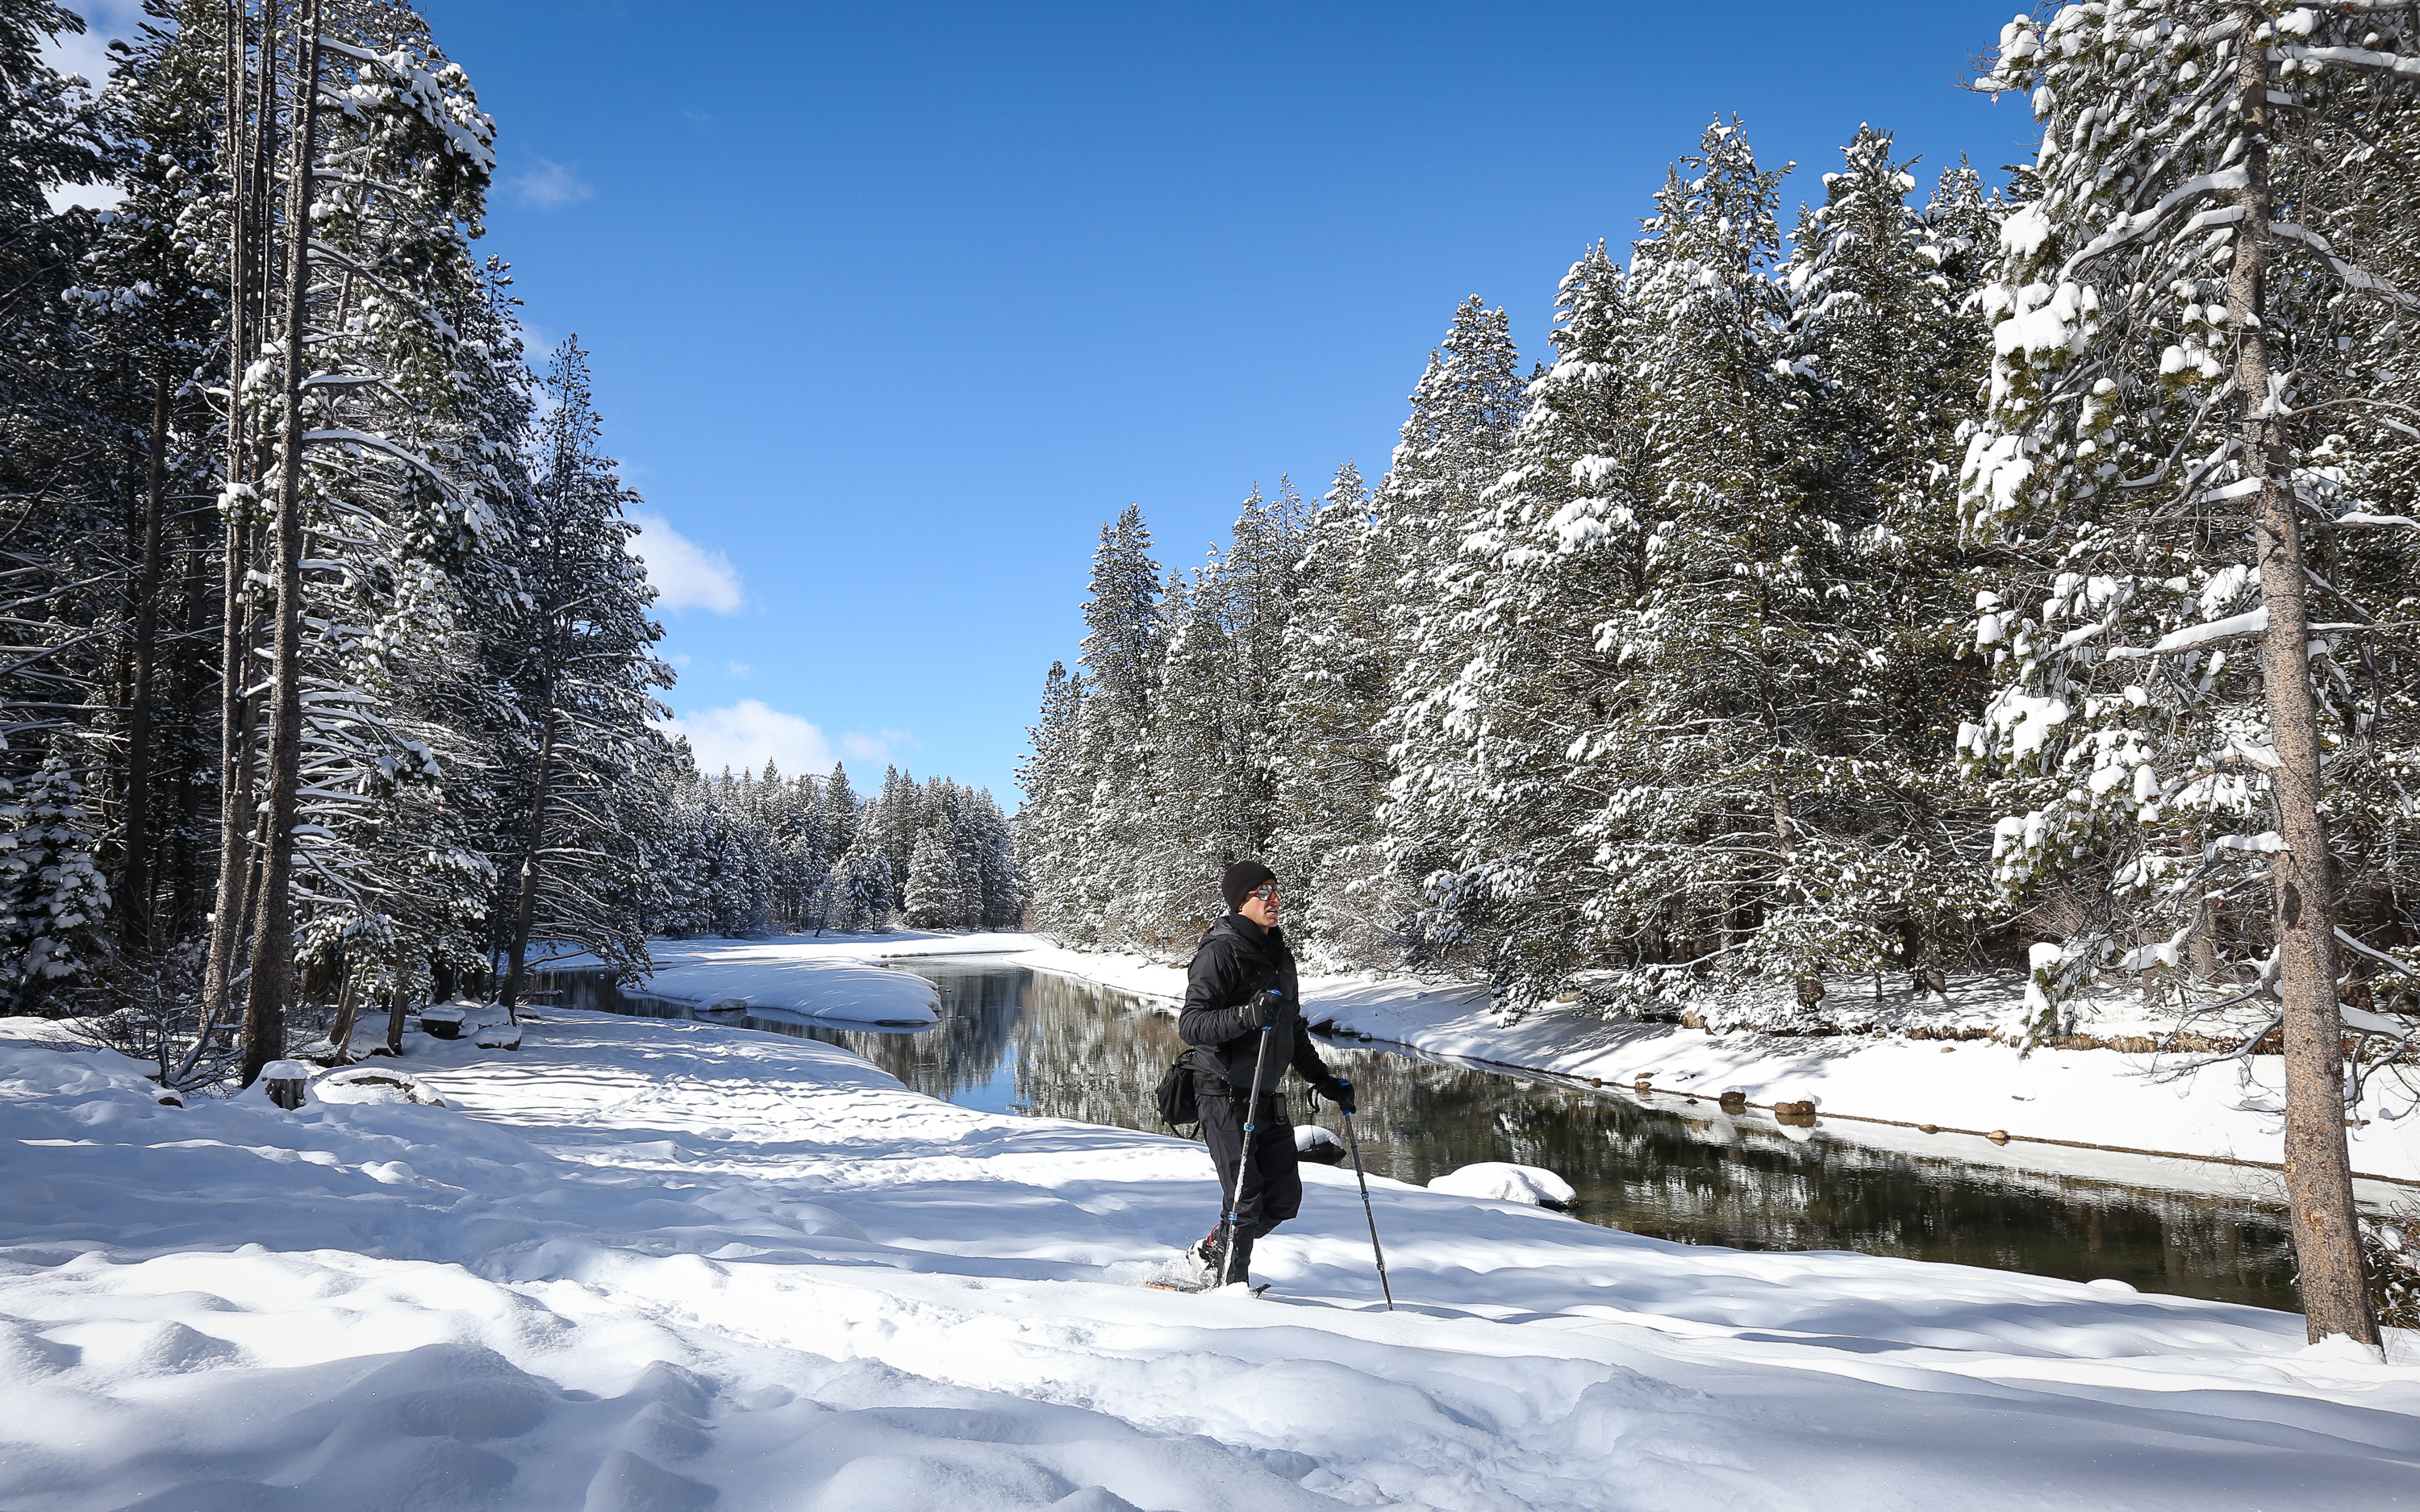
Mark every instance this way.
x=1242 y=981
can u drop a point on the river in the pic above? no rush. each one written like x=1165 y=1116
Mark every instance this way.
x=1014 y=1041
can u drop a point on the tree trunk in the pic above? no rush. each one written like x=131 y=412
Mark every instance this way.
x=234 y=645
x=2201 y=951
x=264 y=1009
x=2318 y=1171
x=349 y=1009
x=1785 y=834
x=136 y=886
x=525 y=907
x=192 y=687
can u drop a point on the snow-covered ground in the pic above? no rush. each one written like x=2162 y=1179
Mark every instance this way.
x=2099 y=1097
x=647 y=1264
x=835 y=977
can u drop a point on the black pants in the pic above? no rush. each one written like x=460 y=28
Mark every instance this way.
x=1272 y=1190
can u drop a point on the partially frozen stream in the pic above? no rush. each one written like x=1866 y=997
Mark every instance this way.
x=1017 y=1041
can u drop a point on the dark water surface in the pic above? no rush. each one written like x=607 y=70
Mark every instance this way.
x=1020 y=1042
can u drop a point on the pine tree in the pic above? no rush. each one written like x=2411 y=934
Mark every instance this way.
x=1329 y=762
x=2162 y=461
x=841 y=811
x=569 y=641
x=1124 y=651
x=1463 y=414
x=934 y=900
x=1050 y=830
x=1883 y=324
x=894 y=820
x=1744 y=678
x=404 y=169
x=147 y=294
x=53 y=899
x=1530 y=890
x=998 y=867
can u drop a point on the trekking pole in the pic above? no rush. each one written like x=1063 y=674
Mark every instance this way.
x=1355 y=1144
x=1251 y=1115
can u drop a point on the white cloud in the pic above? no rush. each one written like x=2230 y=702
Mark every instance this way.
x=749 y=732
x=88 y=54
x=547 y=185
x=740 y=670
x=687 y=575
x=95 y=197
x=876 y=747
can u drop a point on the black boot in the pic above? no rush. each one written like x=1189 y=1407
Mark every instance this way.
x=1224 y=1271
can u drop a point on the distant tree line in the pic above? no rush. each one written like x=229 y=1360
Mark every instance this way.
x=760 y=852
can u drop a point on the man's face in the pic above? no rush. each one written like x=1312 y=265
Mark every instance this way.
x=1261 y=906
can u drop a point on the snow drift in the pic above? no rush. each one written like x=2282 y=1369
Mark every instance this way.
x=657 y=1264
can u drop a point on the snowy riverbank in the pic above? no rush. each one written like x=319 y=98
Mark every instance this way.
x=643 y=1264
x=837 y=977
x=2091 y=1097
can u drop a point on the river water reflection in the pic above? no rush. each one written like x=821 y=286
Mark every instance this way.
x=1014 y=1041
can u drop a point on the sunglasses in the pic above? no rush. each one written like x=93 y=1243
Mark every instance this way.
x=1266 y=892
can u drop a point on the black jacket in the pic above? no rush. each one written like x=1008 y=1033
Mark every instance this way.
x=1236 y=959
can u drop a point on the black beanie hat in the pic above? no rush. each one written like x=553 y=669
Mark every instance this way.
x=1239 y=881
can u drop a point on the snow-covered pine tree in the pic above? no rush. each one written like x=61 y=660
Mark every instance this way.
x=934 y=898
x=568 y=640
x=1465 y=410
x=1051 y=826
x=894 y=820
x=1124 y=648
x=53 y=898
x=369 y=476
x=1001 y=871
x=2187 y=641
x=1528 y=891
x=864 y=893
x=966 y=851
x=1190 y=824
x=1733 y=763
x=842 y=810
x=1332 y=685
x=1882 y=326
x=806 y=854
x=1214 y=732
x=149 y=295
x=64 y=450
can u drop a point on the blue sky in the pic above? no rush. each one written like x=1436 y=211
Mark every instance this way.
x=892 y=305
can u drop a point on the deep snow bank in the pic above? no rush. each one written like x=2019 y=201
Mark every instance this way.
x=648 y=1264
x=2100 y=1097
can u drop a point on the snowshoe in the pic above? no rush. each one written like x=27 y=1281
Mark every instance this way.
x=1192 y=1288
x=1197 y=1268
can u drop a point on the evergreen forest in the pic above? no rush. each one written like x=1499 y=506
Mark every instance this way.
x=331 y=681
x=1883 y=588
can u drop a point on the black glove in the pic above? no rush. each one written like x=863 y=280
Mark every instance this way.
x=1336 y=1090
x=1267 y=1007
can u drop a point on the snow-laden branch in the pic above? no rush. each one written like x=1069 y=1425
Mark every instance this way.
x=2353 y=57
x=2355 y=276
x=380 y=443
x=2234 y=626
x=2223 y=181
x=2380 y=956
